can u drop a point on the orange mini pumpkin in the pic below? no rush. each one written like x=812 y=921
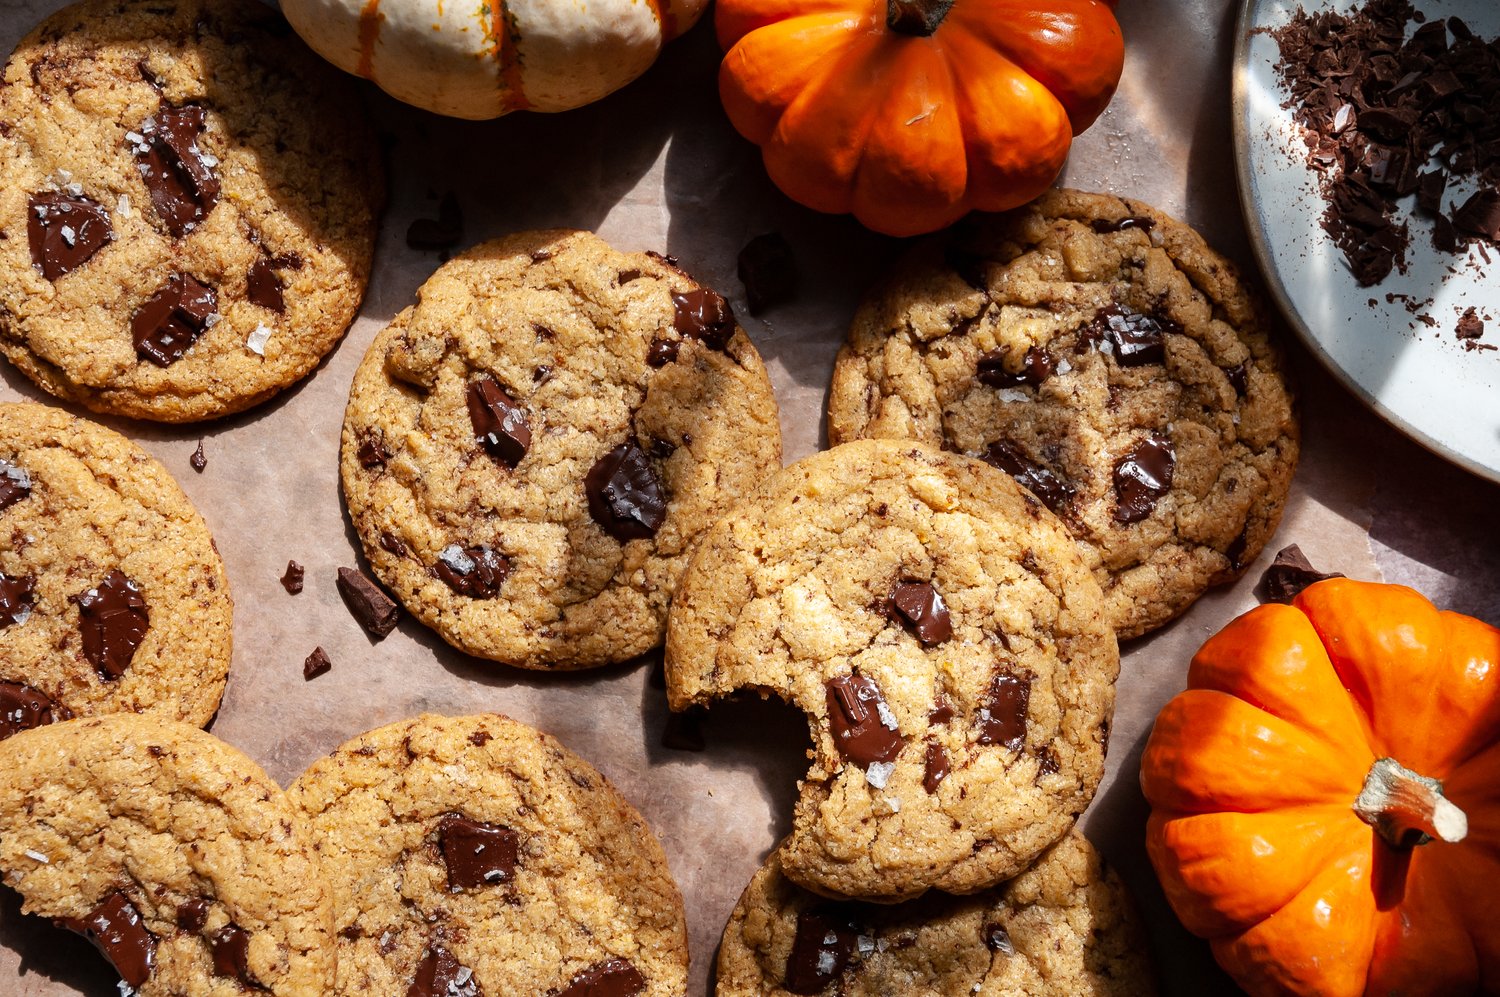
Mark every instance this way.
x=1326 y=796
x=910 y=113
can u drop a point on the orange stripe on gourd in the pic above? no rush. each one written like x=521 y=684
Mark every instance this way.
x=369 y=32
x=507 y=62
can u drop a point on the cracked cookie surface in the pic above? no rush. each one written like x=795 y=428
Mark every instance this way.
x=1102 y=354
x=1066 y=927
x=530 y=451
x=479 y=851
x=113 y=598
x=188 y=197
x=947 y=644
x=172 y=847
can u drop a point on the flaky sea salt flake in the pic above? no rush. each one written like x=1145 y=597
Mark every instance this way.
x=256 y=341
x=879 y=773
x=36 y=856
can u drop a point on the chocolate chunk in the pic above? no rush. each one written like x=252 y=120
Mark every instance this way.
x=441 y=975
x=1480 y=215
x=229 y=946
x=15 y=484
x=941 y=713
x=662 y=351
x=1137 y=339
x=192 y=915
x=1036 y=367
x=923 y=610
x=767 y=270
x=610 y=978
x=1104 y=225
x=1290 y=572
x=116 y=929
x=822 y=947
x=392 y=544
x=22 y=708
x=704 y=315
x=626 y=276
x=16 y=596
x=173 y=318
x=443 y=232
x=198 y=460
x=684 y=731
x=936 y=769
x=64 y=231
x=625 y=496
x=666 y=258
x=1236 y=549
x=1239 y=378
x=112 y=620
x=477 y=572
x=372 y=452
x=661 y=449
x=1469 y=326
x=1055 y=492
x=291 y=579
x=374 y=610
x=864 y=728
x=997 y=939
x=477 y=854
x=180 y=176
x=1046 y=762
x=499 y=423
x=541 y=373
x=1002 y=718
x=263 y=287
x=1142 y=477
x=316 y=664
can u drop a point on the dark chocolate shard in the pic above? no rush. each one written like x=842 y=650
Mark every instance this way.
x=610 y=978
x=864 y=729
x=936 y=768
x=263 y=287
x=375 y=611
x=997 y=939
x=230 y=948
x=1239 y=378
x=1136 y=339
x=291 y=579
x=199 y=460
x=1289 y=573
x=499 y=423
x=316 y=664
x=704 y=315
x=1002 y=717
x=112 y=619
x=172 y=319
x=439 y=974
x=768 y=271
x=17 y=593
x=1036 y=367
x=1480 y=215
x=662 y=351
x=625 y=496
x=372 y=451
x=181 y=178
x=476 y=572
x=443 y=232
x=192 y=915
x=116 y=929
x=1055 y=492
x=65 y=231
x=476 y=853
x=920 y=606
x=1142 y=477
x=15 y=484
x=824 y=944
x=22 y=708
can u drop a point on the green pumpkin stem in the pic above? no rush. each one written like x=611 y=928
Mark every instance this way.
x=918 y=18
x=1408 y=809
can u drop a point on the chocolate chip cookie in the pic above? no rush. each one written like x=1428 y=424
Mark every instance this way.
x=530 y=451
x=112 y=595
x=171 y=851
x=477 y=857
x=1066 y=927
x=938 y=627
x=1102 y=355
x=187 y=206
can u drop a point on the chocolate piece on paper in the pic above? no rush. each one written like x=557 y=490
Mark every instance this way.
x=291 y=579
x=375 y=611
x=316 y=664
x=768 y=271
x=1288 y=575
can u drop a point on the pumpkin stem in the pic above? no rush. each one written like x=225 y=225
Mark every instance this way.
x=1408 y=809
x=918 y=18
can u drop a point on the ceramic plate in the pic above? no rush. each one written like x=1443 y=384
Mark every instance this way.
x=1393 y=344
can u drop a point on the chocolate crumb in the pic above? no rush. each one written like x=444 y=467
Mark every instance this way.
x=292 y=579
x=1469 y=327
x=443 y=232
x=1288 y=575
x=198 y=460
x=767 y=270
x=369 y=604
x=316 y=664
